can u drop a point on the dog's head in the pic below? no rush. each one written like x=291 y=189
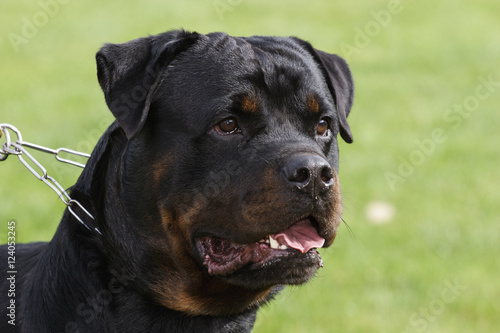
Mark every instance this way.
x=229 y=174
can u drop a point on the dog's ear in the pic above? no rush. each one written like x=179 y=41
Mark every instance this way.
x=339 y=79
x=130 y=72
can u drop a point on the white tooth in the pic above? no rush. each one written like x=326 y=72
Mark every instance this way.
x=273 y=243
x=283 y=247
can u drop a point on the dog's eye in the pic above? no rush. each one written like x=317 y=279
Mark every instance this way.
x=227 y=126
x=322 y=127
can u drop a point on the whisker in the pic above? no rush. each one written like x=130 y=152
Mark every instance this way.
x=351 y=232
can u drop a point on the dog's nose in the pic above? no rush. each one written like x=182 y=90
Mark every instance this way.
x=309 y=173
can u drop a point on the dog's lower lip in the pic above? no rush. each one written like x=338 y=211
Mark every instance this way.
x=222 y=257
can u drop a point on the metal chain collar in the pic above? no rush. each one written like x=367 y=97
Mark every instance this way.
x=17 y=148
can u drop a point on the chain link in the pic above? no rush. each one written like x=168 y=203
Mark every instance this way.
x=18 y=148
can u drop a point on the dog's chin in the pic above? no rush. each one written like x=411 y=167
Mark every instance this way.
x=290 y=257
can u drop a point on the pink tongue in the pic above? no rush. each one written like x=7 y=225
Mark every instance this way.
x=301 y=236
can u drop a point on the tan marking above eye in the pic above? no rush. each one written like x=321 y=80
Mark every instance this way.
x=249 y=104
x=312 y=104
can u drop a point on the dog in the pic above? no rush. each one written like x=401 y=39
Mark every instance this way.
x=212 y=190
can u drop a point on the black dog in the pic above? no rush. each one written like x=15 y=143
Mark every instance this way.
x=213 y=188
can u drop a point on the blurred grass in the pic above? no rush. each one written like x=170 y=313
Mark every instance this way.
x=428 y=58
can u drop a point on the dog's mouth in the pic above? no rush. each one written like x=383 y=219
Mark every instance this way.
x=299 y=242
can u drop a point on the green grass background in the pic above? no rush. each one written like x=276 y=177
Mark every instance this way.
x=409 y=72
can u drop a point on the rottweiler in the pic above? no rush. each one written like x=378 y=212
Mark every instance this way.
x=212 y=190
